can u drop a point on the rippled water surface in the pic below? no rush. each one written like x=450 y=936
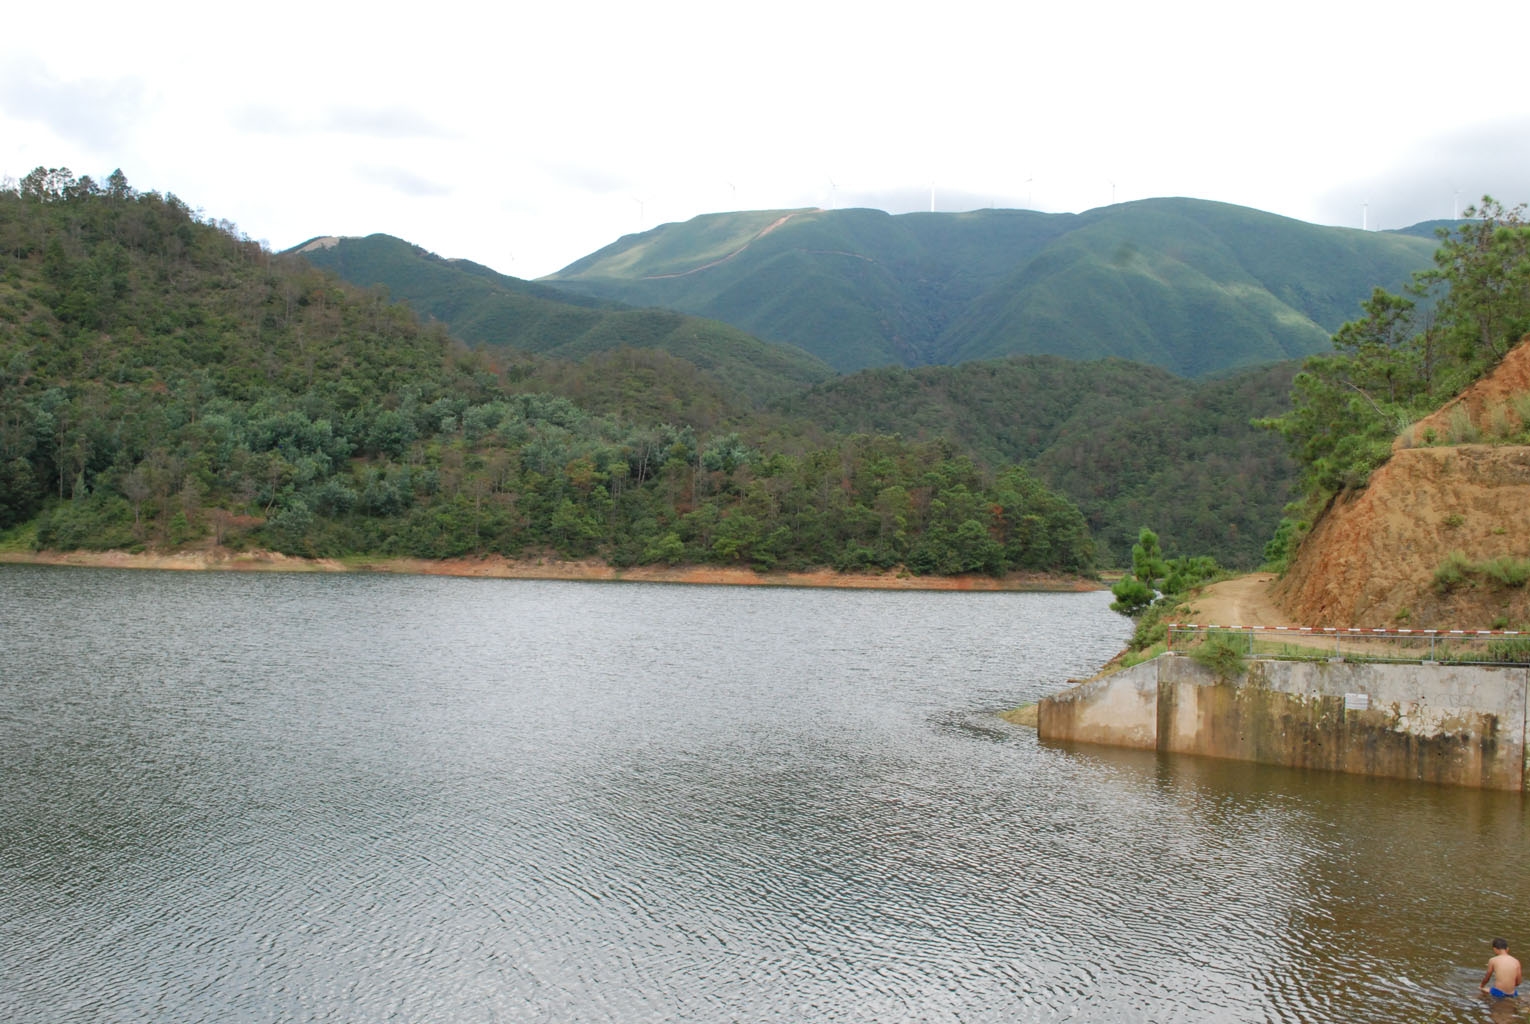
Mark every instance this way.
x=355 y=798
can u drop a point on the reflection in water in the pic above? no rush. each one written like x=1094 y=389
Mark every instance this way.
x=374 y=798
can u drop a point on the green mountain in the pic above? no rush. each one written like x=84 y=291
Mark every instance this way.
x=1429 y=229
x=1191 y=286
x=492 y=310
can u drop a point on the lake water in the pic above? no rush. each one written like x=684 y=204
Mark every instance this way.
x=382 y=798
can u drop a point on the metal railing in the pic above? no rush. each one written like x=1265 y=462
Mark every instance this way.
x=1329 y=643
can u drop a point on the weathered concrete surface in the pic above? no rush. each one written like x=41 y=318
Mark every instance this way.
x=1450 y=724
x=1119 y=710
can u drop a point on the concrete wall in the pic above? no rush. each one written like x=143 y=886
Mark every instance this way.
x=1451 y=724
x=1118 y=710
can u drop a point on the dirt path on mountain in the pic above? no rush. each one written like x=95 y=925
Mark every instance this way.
x=1244 y=601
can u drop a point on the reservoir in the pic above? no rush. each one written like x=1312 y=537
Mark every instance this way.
x=303 y=797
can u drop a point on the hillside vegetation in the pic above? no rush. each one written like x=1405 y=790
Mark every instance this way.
x=498 y=312
x=1190 y=286
x=1128 y=444
x=165 y=382
x=1413 y=442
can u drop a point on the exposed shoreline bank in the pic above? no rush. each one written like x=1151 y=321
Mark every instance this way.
x=497 y=567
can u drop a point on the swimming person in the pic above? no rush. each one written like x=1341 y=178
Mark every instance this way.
x=1503 y=971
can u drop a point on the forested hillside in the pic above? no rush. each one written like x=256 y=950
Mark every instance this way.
x=494 y=311
x=166 y=382
x=1130 y=444
x=1190 y=286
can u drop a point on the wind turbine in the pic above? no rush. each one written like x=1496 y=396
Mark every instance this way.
x=1365 y=215
x=932 y=195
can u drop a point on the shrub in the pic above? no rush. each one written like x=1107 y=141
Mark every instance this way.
x=97 y=523
x=1153 y=624
x=1506 y=570
x=1221 y=654
x=1462 y=429
x=1452 y=572
x=1132 y=595
x=1500 y=426
x=1288 y=537
x=1185 y=574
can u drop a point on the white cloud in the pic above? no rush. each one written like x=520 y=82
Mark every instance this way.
x=98 y=113
x=538 y=134
x=402 y=181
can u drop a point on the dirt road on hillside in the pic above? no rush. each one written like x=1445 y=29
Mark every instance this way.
x=1244 y=601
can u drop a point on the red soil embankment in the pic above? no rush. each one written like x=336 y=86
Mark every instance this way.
x=1371 y=558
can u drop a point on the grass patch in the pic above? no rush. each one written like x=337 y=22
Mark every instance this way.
x=1462 y=429
x=1521 y=405
x=1510 y=651
x=20 y=538
x=1504 y=571
x=1136 y=657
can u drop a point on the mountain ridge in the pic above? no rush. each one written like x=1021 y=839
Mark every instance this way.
x=1189 y=285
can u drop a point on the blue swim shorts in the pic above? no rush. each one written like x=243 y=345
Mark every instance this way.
x=1496 y=994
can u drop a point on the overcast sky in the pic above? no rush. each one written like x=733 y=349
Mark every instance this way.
x=527 y=136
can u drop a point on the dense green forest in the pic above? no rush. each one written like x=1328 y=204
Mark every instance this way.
x=1193 y=287
x=164 y=381
x=1129 y=444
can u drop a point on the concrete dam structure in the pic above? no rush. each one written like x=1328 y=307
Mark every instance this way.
x=1457 y=725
